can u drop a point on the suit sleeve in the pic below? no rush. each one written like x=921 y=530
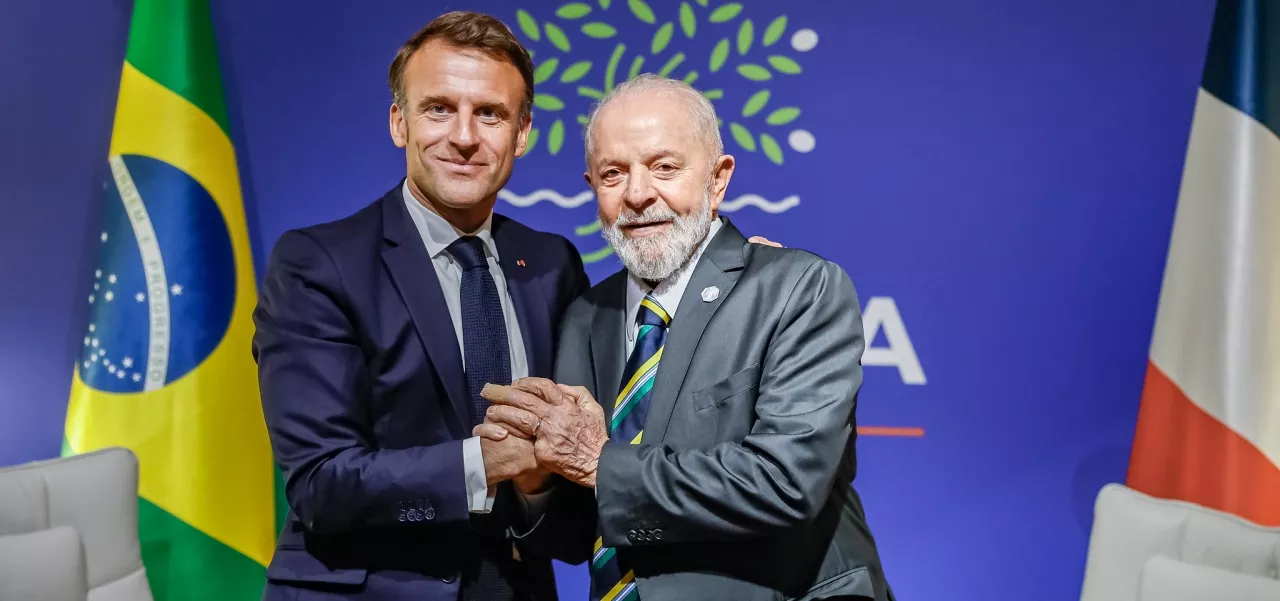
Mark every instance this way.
x=780 y=475
x=314 y=385
x=568 y=528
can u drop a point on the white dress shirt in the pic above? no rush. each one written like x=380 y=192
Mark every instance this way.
x=667 y=292
x=437 y=234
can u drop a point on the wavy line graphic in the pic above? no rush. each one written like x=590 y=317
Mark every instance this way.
x=761 y=203
x=556 y=198
x=581 y=198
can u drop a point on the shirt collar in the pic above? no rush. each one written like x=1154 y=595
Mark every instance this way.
x=437 y=233
x=669 y=291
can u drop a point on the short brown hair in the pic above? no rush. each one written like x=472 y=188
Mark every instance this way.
x=471 y=30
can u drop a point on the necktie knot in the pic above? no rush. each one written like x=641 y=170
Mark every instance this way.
x=652 y=314
x=468 y=251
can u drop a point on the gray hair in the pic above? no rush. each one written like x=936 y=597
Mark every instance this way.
x=702 y=115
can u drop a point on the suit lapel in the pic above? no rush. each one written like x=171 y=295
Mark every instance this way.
x=415 y=278
x=528 y=298
x=720 y=266
x=607 y=345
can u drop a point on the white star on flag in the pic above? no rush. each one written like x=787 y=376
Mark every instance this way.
x=111 y=278
x=140 y=297
x=128 y=362
x=176 y=290
x=95 y=343
x=137 y=377
x=86 y=341
x=104 y=236
x=91 y=299
x=92 y=327
x=109 y=295
x=97 y=274
x=110 y=368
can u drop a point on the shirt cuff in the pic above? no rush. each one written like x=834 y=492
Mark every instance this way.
x=479 y=497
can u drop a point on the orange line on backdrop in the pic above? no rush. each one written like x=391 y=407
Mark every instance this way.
x=890 y=431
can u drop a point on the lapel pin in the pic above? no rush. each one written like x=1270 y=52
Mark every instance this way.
x=710 y=293
x=520 y=262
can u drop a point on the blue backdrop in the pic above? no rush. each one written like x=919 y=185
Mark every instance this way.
x=998 y=178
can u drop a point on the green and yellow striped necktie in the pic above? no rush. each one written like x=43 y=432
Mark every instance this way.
x=609 y=582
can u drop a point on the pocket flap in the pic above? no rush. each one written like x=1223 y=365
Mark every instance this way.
x=297 y=565
x=744 y=380
x=853 y=583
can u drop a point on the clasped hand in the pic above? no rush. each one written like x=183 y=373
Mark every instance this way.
x=563 y=424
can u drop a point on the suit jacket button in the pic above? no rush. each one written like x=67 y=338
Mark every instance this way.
x=429 y=513
x=448 y=579
x=657 y=534
x=631 y=535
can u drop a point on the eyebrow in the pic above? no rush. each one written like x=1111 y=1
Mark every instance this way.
x=499 y=107
x=647 y=157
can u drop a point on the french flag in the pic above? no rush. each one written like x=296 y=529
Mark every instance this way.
x=1209 y=424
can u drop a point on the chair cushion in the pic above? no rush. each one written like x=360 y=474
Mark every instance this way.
x=48 y=565
x=1165 y=579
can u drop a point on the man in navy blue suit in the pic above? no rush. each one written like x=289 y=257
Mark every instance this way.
x=376 y=332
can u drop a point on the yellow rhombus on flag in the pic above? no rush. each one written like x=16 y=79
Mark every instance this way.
x=166 y=368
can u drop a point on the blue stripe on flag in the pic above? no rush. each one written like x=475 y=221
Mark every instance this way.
x=1242 y=67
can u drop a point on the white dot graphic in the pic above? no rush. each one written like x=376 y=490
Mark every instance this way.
x=801 y=140
x=804 y=40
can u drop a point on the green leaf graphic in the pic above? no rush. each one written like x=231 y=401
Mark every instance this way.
x=545 y=70
x=715 y=94
x=719 y=54
x=528 y=25
x=754 y=72
x=782 y=116
x=702 y=2
x=784 y=65
x=599 y=30
x=774 y=31
x=555 y=138
x=635 y=67
x=688 y=22
x=641 y=10
x=557 y=38
x=691 y=77
x=574 y=10
x=533 y=139
x=583 y=119
x=755 y=103
x=597 y=256
x=771 y=148
x=661 y=38
x=671 y=64
x=612 y=68
x=604 y=4
x=575 y=71
x=590 y=92
x=588 y=229
x=547 y=102
x=746 y=33
x=725 y=12
x=743 y=137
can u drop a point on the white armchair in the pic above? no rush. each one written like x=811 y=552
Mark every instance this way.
x=1147 y=549
x=69 y=529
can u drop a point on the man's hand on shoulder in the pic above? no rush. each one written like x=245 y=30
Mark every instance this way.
x=764 y=241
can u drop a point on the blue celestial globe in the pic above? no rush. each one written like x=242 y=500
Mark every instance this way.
x=164 y=279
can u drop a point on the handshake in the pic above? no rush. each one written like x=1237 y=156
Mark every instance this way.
x=535 y=428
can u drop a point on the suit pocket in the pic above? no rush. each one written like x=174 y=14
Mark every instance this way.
x=854 y=583
x=293 y=565
x=743 y=383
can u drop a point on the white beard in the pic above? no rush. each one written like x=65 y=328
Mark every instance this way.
x=655 y=258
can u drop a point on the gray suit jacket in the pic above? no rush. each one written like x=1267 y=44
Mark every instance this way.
x=741 y=488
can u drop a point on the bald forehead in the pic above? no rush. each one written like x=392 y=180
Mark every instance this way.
x=646 y=120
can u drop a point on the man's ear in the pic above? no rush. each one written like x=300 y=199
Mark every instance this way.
x=522 y=136
x=721 y=173
x=399 y=128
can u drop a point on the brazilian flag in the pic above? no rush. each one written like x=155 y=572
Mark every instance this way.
x=166 y=369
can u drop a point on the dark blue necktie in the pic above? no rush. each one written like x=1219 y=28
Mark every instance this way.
x=487 y=360
x=484 y=331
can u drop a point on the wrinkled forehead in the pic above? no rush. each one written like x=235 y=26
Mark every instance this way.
x=642 y=126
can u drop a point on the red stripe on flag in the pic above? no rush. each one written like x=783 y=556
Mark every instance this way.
x=1182 y=452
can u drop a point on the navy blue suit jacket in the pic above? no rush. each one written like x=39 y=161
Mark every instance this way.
x=364 y=398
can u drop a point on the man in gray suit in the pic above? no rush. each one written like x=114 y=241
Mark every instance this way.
x=719 y=466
